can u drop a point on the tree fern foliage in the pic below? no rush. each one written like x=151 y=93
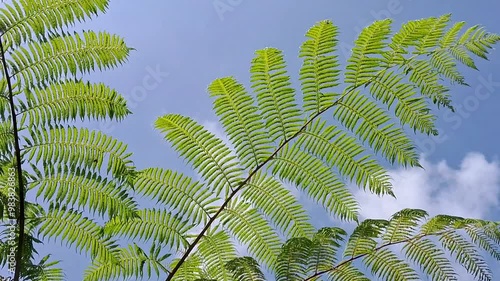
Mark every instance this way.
x=334 y=131
x=343 y=127
x=428 y=246
x=59 y=179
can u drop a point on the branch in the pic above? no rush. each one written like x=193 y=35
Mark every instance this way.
x=21 y=218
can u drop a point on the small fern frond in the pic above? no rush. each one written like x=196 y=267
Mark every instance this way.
x=191 y=269
x=319 y=70
x=387 y=266
x=245 y=269
x=362 y=240
x=402 y=225
x=207 y=153
x=293 y=259
x=365 y=60
x=410 y=108
x=276 y=99
x=430 y=259
x=466 y=255
x=241 y=121
x=324 y=247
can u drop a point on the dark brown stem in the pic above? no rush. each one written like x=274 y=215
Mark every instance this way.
x=17 y=148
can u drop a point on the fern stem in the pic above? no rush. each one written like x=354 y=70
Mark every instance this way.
x=20 y=218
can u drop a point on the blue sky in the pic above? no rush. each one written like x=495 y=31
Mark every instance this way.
x=181 y=46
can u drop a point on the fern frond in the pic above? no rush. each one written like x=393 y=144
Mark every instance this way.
x=132 y=262
x=78 y=231
x=324 y=247
x=363 y=64
x=151 y=225
x=319 y=70
x=208 y=154
x=190 y=198
x=341 y=151
x=215 y=250
x=23 y=20
x=292 y=260
x=252 y=229
x=433 y=34
x=44 y=271
x=347 y=272
x=371 y=124
x=75 y=187
x=410 y=108
x=62 y=102
x=275 y=97
x=430 y=259
x=386 y=265
x=241 y=120
x=466 y=254
x=362 y=240
x=66 y=56
x=403 y=224
x=277 y=203
x=191 y=269
x=310 y=174
x=79 y=148
x=244 y=269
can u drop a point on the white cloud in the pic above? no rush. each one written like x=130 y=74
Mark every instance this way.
x=471 y=191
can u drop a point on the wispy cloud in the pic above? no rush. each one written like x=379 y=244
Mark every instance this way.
x=471 y=190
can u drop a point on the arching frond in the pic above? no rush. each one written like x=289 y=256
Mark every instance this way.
x=319 y=70
x=80 y=147
x=86 y=190
x=293 y=258
x=343 y=152
x=207 y=153
x=26 y=19
x=310 y=173
x=241 y=120
x=277 y=203
x=151 y=225
x=189 y=198
x=61 y=102
x=215 y=250
x=251 y=229
x=275 y=97
x=60 y=57
x=78 y=231
x=372 y=125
